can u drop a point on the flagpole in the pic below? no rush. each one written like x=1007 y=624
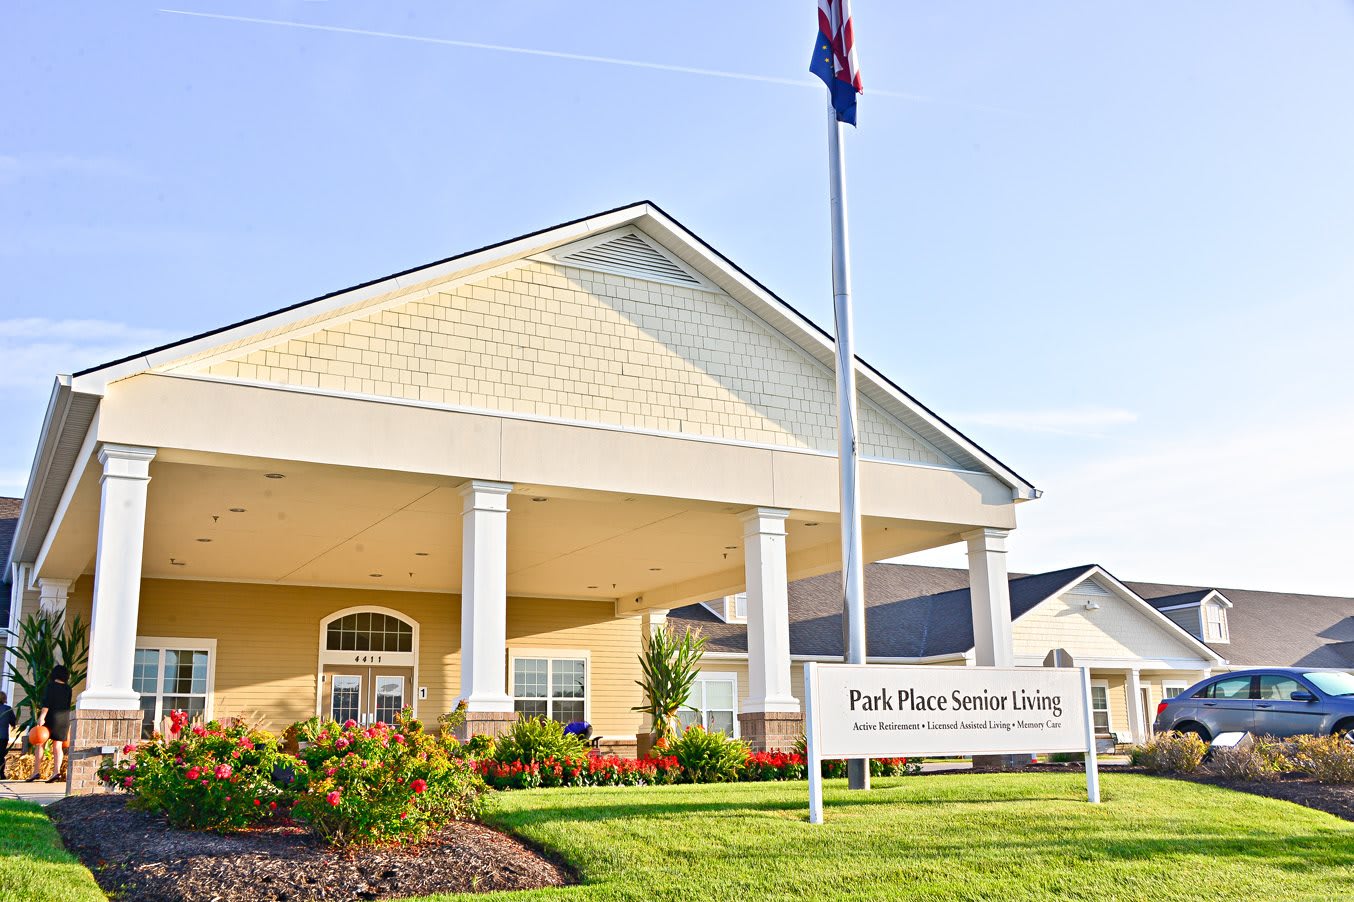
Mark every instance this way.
x=853 y=593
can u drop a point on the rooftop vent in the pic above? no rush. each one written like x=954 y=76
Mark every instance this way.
x=631 y=255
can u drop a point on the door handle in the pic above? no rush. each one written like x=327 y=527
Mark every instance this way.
x=1210 y=704
x=1264 y=706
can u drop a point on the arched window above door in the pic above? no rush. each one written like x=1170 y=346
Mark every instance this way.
x=369 y=631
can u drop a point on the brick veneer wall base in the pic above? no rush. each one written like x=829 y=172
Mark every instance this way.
x=91 y=732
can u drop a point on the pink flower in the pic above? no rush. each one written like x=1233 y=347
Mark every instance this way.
x=399 y=738
x=199 y=730
x=127 y=781
x=341 y=744
x=418 y=786
x=333 y=797
x=227 y=798
x=380 y=724
x=222 y=771
x=128 y=749
x=206 y=782
x=349 y=724
x=193 y=773
x=331 y=771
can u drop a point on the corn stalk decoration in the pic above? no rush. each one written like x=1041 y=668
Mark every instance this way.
x=670 y=666
x=38 y=645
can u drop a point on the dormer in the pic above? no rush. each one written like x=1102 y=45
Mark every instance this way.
x=730 y=608
x=1203 y=614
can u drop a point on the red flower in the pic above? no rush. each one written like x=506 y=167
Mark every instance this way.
x=257 y=802
x=127 y=781
x=272 y=806
x=222 y=771
x=399 y=738
x=193 y=773
x=333 y=797
x=199 y=730
x=418 y=786
x=349 y=724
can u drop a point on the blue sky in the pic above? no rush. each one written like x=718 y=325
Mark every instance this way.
x=1109 y=241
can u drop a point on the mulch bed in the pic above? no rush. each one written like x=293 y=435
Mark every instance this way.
x=1297 y=788
x=135 y=855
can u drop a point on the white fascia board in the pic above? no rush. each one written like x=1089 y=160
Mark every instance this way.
x=67 y=494
x=1126 y=663
x=1166 y=623
x=790 y=322
x=57 y=404
x=837 y=659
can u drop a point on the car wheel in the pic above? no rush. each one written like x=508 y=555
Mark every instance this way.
x=1197 y=729
x=1345 y=729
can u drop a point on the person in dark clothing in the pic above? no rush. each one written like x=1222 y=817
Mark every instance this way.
x=56 y=717
x=7 y=722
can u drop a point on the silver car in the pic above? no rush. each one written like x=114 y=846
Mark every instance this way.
x=1278 y=701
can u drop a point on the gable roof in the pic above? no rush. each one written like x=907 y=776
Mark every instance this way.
x=1275 y=629
x=649 y=218
x=914 y=612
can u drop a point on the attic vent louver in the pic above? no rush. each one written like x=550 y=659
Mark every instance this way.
x=631 y=255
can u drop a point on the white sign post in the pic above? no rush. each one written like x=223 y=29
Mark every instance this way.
x=862 y=711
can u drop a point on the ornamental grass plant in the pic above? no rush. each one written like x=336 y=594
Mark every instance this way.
x=1170 y=753
x=708 y=757
x=1326 y=759
x=531 y=740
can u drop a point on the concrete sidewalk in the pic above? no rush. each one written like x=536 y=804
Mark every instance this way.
x=39 y=792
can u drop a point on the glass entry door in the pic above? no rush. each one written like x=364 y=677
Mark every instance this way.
x=366 y=694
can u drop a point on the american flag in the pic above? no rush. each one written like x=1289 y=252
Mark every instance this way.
x=834 y=57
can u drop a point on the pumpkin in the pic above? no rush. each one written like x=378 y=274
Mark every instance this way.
x=38 y=735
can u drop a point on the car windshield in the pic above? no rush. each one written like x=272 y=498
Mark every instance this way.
x=1332 y=682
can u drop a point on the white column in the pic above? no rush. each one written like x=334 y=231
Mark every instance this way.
x=117 y=579
x=52 y=595
x=484 y=597
x=768 y=612
x=990 y=597
x=1135 y=719
x=651 y=622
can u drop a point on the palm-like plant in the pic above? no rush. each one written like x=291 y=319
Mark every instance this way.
x=670 y=665
x=40 y=644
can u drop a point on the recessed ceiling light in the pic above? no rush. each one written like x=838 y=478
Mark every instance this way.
x=237 y=510
x=420 y=554
x=811 y=523
x=539 y=498
x=204 y=540
x=274 y=475
x=376 y=575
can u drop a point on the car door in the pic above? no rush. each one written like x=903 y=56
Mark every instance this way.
x=1228 y=705
x=1276 y=714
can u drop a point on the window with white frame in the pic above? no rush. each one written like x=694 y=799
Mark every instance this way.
x=713 y=704
x=1173 y=688
x=1100 y=706
x=1215 y=623
x=555 y=688
x=172 y=675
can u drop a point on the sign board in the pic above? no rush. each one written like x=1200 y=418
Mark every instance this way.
x=864 y=711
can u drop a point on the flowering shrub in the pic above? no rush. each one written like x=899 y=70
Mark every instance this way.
x=1254 y=758
x=766 y=766
x=383 y=782
x=208 y=777
x=708 y=757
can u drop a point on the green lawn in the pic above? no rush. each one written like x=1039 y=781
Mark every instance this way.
x=969 y=836
x=34 y=866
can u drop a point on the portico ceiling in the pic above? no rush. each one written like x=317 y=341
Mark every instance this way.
x=220 y=517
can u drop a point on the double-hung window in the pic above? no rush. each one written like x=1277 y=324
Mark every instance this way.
x=555 y=688
x=172 y=675
x=1215 y=623
x=1100 y=706
x=713 y=704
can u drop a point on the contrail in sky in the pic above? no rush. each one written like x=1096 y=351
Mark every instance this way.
x=557 y=54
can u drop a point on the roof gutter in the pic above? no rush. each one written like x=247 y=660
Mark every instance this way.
x=64 y=427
